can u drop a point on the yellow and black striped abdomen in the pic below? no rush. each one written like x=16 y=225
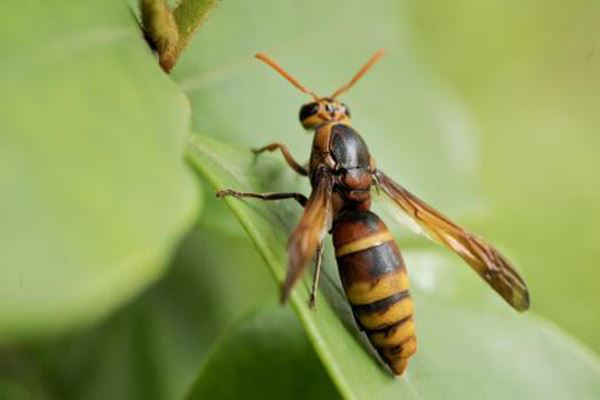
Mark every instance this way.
x=376 y=285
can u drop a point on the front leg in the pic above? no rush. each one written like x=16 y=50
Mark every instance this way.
x=299 y=197
x=286 y=154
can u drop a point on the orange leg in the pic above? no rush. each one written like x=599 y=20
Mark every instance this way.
x=286 y=154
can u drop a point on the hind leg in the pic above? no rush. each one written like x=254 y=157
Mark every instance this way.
x=299 y=197
x=312 y=302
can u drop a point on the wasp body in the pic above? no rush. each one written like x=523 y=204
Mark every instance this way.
x=370 y=265
x=342 y=174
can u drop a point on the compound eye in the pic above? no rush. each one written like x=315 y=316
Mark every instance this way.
x=308 y=110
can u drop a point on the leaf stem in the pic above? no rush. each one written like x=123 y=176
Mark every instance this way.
x=161 y=31
x=169 y=32
x=189 y=16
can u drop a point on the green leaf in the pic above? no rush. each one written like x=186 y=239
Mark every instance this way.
x=470 y=346
x=13 y=391
x=20 y=383
x=190 y=15
x=94 y=192
x=152 y=347
x=534 y=89
x=265 y=356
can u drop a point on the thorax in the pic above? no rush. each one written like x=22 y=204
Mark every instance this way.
x=340 y=148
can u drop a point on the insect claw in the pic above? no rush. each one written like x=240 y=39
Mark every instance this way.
x=225 y=193
x=312 y=302
x=283 y=297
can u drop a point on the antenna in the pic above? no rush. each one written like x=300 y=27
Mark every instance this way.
x=271 y=63
x=374 y=58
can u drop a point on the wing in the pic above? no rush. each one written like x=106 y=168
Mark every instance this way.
x=492 y=266
x=313 y=226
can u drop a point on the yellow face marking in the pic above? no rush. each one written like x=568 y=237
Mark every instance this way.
x=313 y=120
x=387 y=285
x=404 y=331
x=364 y=243
x=396 y=312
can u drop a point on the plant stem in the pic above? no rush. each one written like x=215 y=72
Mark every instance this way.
x=161 y=31
x=170 y=32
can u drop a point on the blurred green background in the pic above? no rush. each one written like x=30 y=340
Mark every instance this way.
x=122 y=277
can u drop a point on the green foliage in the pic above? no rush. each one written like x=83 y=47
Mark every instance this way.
x=94 y=197
x=531 y=74
x=152 y=348
x=190 y=15
x=265 y=356
x=94 y=192
x=478 y=349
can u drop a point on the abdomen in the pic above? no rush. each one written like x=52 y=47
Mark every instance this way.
x=376 y=284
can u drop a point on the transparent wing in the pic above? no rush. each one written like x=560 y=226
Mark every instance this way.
x=313 y=226
x=492 y=266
